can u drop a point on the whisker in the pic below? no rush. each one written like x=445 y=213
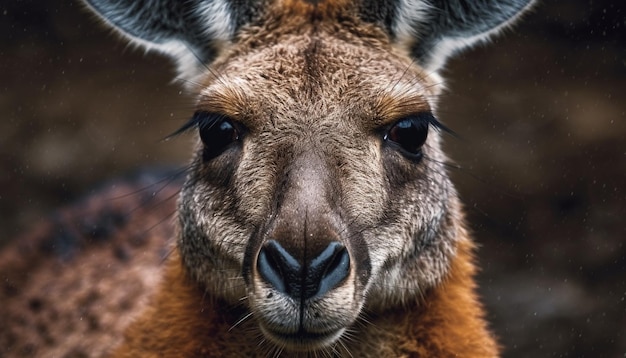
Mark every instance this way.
x=156 y=205
x=208 y=68
x=168 y=254
x=188 y=81
x=167 y=180
x=344 y=347
x=161 y=221
x=242 y=319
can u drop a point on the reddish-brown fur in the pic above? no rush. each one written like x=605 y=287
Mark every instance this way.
x=72 y=285
x=308 y=65
x=182 y=320
x=185 y=321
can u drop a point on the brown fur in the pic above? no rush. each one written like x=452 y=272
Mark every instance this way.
x=185 y=321
x=315 y=89
x=312 y=8
x=71 y=286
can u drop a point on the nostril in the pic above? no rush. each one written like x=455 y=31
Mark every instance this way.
x=285 y=274
x=278 y=267
x=328 y=269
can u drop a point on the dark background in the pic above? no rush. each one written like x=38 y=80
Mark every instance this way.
x=540 y=112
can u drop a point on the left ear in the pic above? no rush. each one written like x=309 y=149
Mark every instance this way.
x=434 y=30
x=191 y=32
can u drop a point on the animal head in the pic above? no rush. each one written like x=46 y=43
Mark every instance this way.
x=318 y=188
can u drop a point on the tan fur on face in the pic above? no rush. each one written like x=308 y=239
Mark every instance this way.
x=308 y=225
x=325 y=89
x=185 y=322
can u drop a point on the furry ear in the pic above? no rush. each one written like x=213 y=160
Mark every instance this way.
x=192 y=31
x=433 y=30
x=189 y=31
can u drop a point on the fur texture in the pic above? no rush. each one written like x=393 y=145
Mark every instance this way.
x=193 y=32
x=317 y=216
x=71 y=286
x=185 y=321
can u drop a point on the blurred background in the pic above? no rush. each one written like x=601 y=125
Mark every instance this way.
x=541 y=115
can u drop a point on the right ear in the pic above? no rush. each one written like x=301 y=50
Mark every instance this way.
x=434 y=30
x=190 y=31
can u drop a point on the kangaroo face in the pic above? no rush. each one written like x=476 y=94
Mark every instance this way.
x=318 y=188
x=319 y=178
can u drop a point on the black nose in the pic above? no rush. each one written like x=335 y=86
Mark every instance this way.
x=314 y=279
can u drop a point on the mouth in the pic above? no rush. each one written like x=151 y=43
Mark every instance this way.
x=302 y=340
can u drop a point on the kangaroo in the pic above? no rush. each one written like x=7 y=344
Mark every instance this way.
x=316 y=218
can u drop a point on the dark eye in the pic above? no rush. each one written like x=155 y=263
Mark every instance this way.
x=410 y=133
x=217 y=132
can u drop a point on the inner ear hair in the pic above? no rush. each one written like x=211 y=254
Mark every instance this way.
x=191 y=32
x=434 y=30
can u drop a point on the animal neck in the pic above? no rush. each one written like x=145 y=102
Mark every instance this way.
x=184 y=320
